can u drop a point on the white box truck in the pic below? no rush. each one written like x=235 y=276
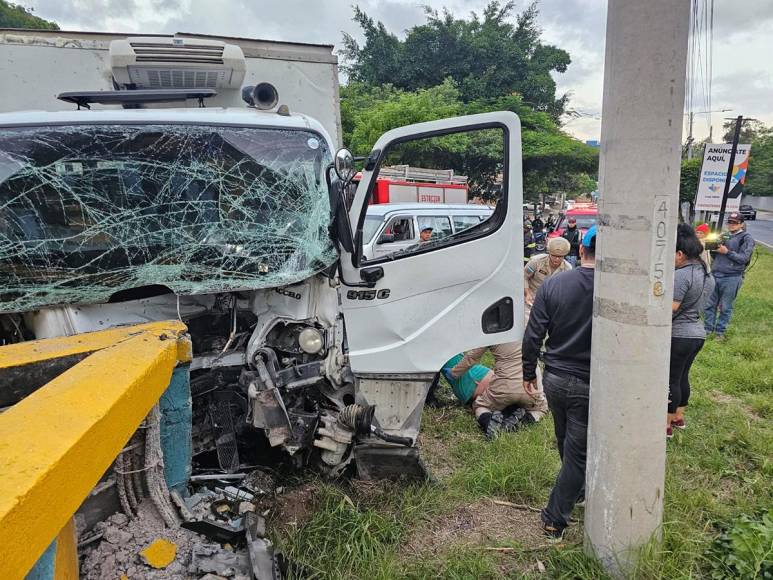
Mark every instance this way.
x=125 y=200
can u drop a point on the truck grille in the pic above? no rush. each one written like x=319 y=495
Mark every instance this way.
x=182 y=79
x=149 y=52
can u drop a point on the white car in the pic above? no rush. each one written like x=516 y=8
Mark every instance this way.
x=392 y=227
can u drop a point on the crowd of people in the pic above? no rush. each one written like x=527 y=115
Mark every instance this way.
x=558 y=297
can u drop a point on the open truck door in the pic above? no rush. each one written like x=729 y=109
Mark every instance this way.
x=408 y=312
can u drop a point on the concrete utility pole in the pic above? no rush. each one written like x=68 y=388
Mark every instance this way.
x=644 y=82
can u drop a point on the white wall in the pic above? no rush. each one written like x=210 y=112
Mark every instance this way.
x=35 y=67
x=765 y=203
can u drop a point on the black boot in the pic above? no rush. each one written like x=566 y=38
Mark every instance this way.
x=432 y=400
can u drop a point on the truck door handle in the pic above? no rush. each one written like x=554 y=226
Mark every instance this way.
x=371 y=275
x=498 y=317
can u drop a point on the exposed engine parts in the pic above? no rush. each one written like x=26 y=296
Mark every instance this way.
x=335 y=439
x=336 y=435
x=270 y=382
x=288 y=391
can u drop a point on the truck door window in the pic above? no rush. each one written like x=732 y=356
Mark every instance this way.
x=463 y=222
x=470 y=161
x=401 y=229
x=441 y=226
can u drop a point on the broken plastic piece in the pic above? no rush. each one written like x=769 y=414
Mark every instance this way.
x=212 y=559
x=160 y=553
x=245 y=506
x=263 y=560
x=219 y=532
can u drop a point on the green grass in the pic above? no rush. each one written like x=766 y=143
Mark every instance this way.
x=720 y=468
x=518 y=468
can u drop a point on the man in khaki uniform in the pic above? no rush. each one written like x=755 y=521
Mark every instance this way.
x=505 y=387
x=542 y=266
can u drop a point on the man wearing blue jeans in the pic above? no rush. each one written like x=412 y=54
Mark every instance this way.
x=563 y=310
x=728 y=264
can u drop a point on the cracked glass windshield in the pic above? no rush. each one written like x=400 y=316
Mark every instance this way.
x=87 y=211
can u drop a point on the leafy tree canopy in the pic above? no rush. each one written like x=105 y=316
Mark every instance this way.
x=552 y=160
x=688 y=179
x=749 y=131
x=14 y=16
x=487 y=56
x=759 y=180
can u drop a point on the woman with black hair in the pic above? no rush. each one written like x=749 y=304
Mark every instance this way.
x=692 y=286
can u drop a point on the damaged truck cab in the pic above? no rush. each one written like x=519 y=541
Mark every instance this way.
x=235 y=221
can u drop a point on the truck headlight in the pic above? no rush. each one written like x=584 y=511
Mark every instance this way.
x=311 y=340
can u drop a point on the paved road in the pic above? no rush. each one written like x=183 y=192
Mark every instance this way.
x=761 y=229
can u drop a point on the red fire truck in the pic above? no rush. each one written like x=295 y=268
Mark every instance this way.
x=405 y=184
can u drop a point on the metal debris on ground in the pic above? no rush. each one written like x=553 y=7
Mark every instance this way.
x=260 y=550
x=214 y=559
x=260 y=482
x=221 y=536
x=215 y=514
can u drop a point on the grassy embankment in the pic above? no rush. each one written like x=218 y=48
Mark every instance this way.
x=718 y=469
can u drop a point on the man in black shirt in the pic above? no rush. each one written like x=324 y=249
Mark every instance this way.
x=563 y=309
x=573 y=236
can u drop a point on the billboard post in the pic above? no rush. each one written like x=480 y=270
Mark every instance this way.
x=730 y=167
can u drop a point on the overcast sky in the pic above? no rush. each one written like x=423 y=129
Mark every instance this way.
x=743 y=73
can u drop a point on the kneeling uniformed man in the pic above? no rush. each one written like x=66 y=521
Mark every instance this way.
x=497 y=395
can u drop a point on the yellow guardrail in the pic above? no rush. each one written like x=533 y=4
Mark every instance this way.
x=57 y=443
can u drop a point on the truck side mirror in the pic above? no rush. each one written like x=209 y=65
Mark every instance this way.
x=344 y=165
x=385 y=239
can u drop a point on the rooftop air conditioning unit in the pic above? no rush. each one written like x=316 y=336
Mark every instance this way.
x=176 y=63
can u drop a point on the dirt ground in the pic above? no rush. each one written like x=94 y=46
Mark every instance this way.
x=483 y=523
x=291 y=508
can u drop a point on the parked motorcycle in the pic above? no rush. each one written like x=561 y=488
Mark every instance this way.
x=540 y=242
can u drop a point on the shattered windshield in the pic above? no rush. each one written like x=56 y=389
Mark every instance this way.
x=90 y=210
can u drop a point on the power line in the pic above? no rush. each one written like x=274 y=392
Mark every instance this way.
x=711 y=58
x=700 y=63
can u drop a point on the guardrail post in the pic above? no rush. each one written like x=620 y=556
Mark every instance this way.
x=58 y=441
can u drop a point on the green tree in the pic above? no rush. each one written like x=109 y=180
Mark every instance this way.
x=487 y=56
x=749 y=131
x=759 y=180
x=688 y=181
x=15 y=16
x=367 y=112
x=553 y=162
